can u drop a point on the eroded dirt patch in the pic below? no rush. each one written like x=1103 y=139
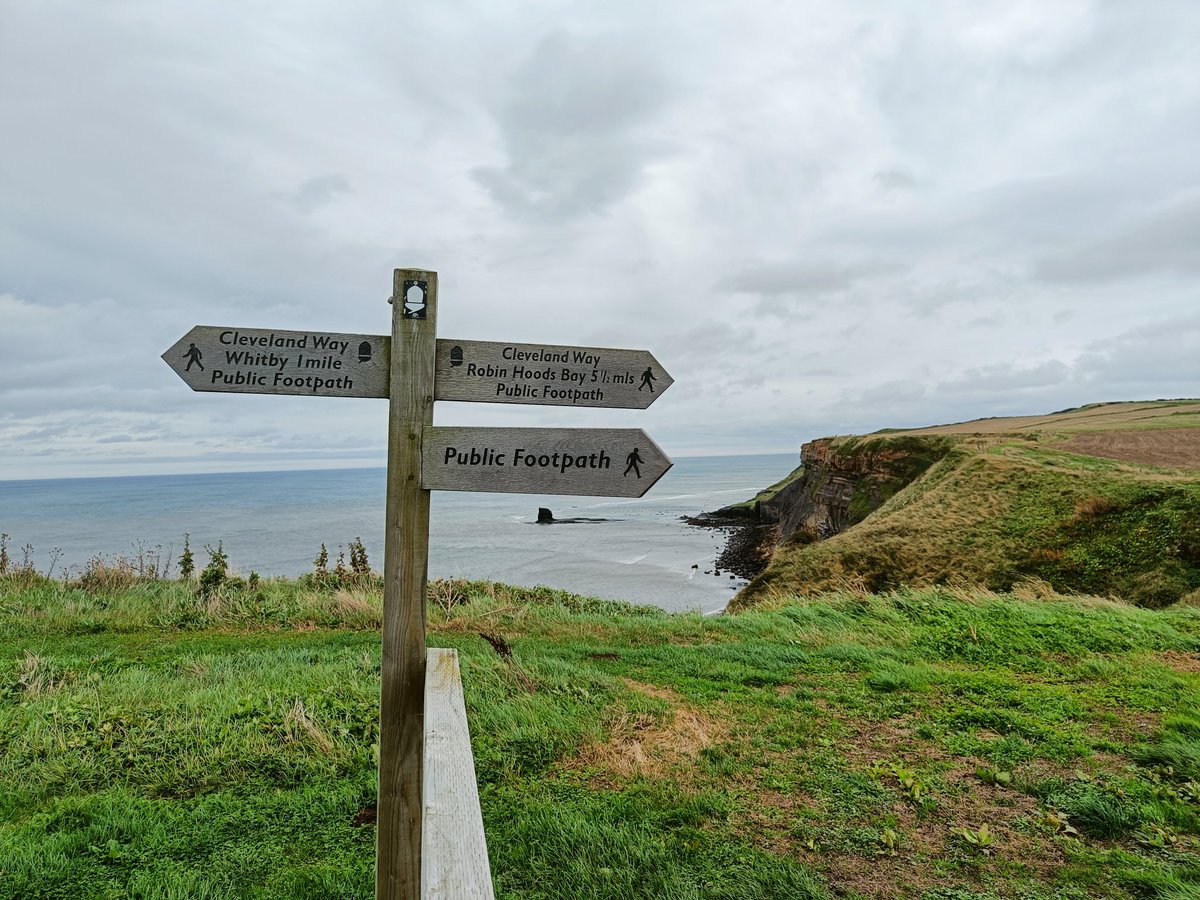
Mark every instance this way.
x=640 y=744
x=963 y=802
x=1188 y=663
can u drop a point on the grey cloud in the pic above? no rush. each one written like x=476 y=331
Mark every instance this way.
x=771 y=278
x=576 y=127
x=320 y=190
x=792 y=287
x=1007 y=388
x=709 y=340
x=1005 y=378
x=931 y=298
x=894 y=392
x=1009 y=219
x=1159 y=359
x=989 y=321
x=896 y=179
x=1166 y=242
x=807 y=226
x=711 y=364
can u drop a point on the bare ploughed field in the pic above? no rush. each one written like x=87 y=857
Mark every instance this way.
x=1149 y=414
x=1175 y=447
x=1152 y=432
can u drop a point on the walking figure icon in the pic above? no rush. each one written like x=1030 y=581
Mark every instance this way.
x=632 y=462
x=193 y=357
x=647 y=380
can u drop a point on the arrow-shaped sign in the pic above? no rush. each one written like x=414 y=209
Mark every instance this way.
x=603 y=462
x=271 y=361
x=548 y=374
x=329 y=364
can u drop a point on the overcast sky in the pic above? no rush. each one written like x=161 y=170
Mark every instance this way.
x=821 y=217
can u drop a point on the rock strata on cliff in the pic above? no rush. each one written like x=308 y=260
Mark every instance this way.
x=844 y=480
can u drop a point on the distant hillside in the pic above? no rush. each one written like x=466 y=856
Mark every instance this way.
x=1103 y=499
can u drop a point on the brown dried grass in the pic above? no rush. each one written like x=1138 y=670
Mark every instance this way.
x=1186 y=663
x=1090 y=508
x=641 y=745
x=354 y=604
x=298 y=725
x=35 y=677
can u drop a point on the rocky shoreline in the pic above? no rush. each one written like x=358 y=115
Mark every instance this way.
x=748 y=544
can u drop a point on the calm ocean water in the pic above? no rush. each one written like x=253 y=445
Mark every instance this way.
x=275 y=522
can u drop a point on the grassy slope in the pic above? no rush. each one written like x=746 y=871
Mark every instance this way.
x=155 y=745
x=1007 y=506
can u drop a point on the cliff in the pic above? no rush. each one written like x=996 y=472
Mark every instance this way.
x=1102 y=499
x=843 y=480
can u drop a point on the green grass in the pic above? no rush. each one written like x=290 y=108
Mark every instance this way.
x=154 y=744
x=1013 y=512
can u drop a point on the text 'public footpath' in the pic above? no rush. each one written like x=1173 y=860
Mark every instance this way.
x=258 y=362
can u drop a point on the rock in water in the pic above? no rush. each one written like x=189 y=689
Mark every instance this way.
x=545 y=517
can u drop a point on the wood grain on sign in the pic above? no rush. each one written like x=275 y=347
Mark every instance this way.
x=548 y=374
x=454 y=857
x=599 y=462
x=275 y=361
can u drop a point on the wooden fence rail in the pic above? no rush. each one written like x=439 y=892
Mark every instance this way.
x=454 y=860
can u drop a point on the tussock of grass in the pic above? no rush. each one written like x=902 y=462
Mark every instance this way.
x=1096 y=812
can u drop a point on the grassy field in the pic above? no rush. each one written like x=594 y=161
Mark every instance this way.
x=999 y=509
x=944 y=745
x=1094 y=417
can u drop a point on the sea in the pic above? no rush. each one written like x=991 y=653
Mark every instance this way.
x=274 y=523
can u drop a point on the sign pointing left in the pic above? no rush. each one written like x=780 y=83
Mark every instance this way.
x=272 y=361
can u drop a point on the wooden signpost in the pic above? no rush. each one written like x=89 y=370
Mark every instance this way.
x=412 y=368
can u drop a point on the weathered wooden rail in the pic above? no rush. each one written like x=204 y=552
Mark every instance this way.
x=454 y=859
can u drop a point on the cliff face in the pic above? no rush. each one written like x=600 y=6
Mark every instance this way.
x=994 y=503
x=844 y=481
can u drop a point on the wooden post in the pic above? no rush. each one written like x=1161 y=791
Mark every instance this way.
x=405 y=569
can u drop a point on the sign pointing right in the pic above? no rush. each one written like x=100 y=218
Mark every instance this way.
x=547 y=374
x=599 y=462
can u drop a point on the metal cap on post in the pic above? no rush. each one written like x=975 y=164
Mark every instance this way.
x=405 y=569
